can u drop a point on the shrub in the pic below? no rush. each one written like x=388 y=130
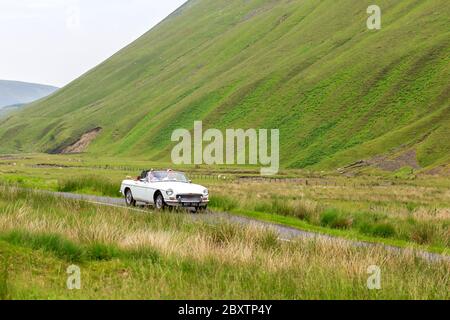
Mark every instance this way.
x=282 y=207
x=423 y=234
x=53 y=243
x=336 y=220
x=302 y=212
x=263 y=207
x=383 y=230
x=144 y=253
x=101 y=252
x=222 y=233
x=223 y=203
x=267 y=240
x=60 y=247
x=276 y=206
x=328 y=217
x=91 y=183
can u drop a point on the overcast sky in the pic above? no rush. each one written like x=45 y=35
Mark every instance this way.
x=55 y=41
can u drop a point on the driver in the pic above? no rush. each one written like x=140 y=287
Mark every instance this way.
x=151 y=176
x=170 y=175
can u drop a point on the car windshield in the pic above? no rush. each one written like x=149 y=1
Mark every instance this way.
x=158 y=176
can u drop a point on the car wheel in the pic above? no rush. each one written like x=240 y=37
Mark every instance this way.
x=129 y=199
x=159 y=202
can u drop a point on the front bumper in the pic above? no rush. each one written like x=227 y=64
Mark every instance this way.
x=187 y=204
x=179 y=201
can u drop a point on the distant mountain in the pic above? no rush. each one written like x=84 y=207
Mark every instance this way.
x=338 y=92
x=8 y=109
x=14 y=93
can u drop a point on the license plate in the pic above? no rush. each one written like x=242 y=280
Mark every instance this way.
x=190 y=204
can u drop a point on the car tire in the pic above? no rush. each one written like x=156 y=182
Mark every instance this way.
x=160 y=204
x=129 y=200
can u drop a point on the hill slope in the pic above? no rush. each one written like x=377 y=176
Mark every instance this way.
x=15 y=93
x=337 y=91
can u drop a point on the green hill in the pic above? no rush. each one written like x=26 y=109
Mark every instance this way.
x=13 y=93
x=337 y=91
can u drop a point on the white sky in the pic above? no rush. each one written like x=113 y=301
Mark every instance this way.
x=55 y=41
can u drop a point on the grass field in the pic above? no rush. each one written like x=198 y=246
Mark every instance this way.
x=401 y=211
x=126 y=255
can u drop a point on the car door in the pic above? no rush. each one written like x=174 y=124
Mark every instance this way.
x=138 y=190
x=148 y=192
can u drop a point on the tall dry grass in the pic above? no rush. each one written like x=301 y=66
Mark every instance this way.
x=415 y=214
x=133 y=254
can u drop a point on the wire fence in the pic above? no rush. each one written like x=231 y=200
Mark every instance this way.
x=236 y=178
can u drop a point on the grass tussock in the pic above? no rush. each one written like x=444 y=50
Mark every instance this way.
x=397 y=213
x=90 y=184
x=52 y=243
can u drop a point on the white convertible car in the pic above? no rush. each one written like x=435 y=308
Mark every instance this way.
x=165 y=189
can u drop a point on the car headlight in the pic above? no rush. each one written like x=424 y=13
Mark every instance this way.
x=205 y=192
x=169 y=192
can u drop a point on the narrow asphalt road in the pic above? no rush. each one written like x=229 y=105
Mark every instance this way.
x=285 y=233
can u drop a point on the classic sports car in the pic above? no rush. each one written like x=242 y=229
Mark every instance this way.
x=165 y=189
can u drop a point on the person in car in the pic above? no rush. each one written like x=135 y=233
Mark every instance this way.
x=170 y=175
x=151 y=177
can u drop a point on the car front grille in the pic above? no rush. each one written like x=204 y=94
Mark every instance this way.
x=192 y=198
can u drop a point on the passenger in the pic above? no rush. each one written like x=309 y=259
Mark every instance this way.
x=151 y=177
x=171 y=175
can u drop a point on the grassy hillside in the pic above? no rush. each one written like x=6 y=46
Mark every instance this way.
x=14 y=93
x=337 y=91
